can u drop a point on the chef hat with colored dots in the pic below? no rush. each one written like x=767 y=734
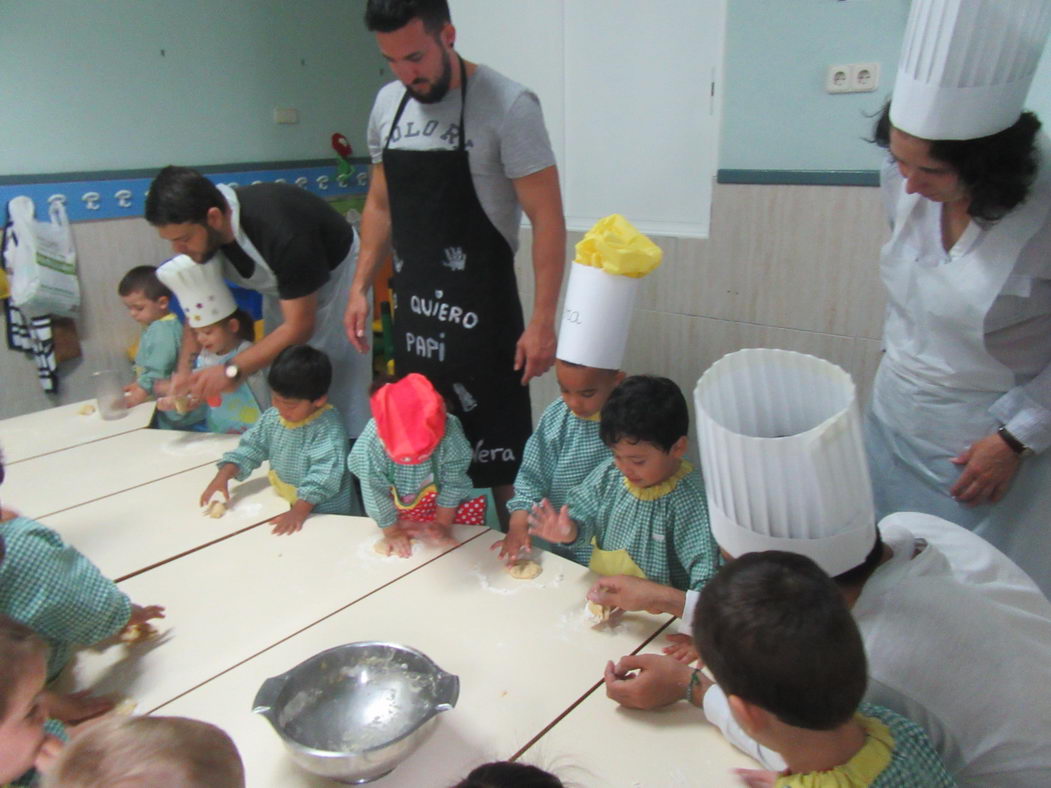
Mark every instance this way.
x=202 y=293
x=410 y=419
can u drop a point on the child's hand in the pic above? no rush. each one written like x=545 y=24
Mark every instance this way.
x=636 y=593
x=140 y=615
x=166 y=403
x=75 y=707
x=219 y=484
x=681 y=649
x=287 y=523
x=48 y=753
x=554 y=526
x=398 y=540
x=517 y=542
x=134 y=394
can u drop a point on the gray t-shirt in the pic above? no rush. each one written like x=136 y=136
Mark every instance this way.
x=506 y=137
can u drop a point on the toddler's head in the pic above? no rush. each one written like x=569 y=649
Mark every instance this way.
x=299 y=379
x=410 y=418
x=645 y=422
x=145 y=296
x=141 y=752
x=503 y=774
x=23 y=671
x=778 y=637
x=585 y=389
x=225 y=335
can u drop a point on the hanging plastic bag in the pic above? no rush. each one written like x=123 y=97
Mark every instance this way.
x=41 y=260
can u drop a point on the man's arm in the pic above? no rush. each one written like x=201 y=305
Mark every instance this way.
x=299 y=316
x=375 y=248
x=541 y=199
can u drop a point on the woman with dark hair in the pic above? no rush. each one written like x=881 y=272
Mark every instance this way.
x=960 y=418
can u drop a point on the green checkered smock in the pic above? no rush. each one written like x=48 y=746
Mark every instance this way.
x=310 y=455
x=158 y=351
x=558 y=456
x=446 y=469
x=913 y=761
x=57 y=592
x=668 y=537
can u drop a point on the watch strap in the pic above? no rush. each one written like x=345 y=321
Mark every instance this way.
x=1015 y=445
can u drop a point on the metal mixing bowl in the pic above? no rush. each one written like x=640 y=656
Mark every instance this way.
x=354 y=712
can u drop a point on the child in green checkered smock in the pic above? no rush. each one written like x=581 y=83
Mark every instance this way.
x=778 y=637
x=147 y=300
x=563 y=449
x=644 y=512
x=412 y=460
x=302 y=437
x=27 y=737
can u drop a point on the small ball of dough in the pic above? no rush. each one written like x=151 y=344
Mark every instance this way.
x=182 y=405
x=598 y=613
x=86 y=410
x=216 y=509
x=136 y=633
x=524 y=570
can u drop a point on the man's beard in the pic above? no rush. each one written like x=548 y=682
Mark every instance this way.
x=439 y=87
x=215 y=240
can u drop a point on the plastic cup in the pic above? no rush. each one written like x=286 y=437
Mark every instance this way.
x=109 y=393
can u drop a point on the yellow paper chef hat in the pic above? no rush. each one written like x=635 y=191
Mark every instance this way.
x=966 y=66
x=202 y=293
x=603 y=281
x=783 y=459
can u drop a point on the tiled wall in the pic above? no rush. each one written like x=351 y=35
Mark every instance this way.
x=785 y=266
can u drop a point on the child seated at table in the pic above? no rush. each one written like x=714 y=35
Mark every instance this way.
x=505 y=774
x=27 y=738
x=148 y=301
x=58 y=593
x=222 y=330
x=303 y=438
x=411 y=460
x=644 y=511
x=563 y=449
x=143 y=752
x=779 y=639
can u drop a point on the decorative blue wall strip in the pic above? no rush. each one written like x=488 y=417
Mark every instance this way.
x=122 y=194
x=800 y=177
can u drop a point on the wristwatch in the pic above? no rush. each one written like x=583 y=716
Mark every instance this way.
x=233 y=372
x=1015 y=445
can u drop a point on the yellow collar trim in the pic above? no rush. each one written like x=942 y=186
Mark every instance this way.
x=861 y=770
x=294 y=425
x=662 y=488
x=594 y=417
x=169 y=316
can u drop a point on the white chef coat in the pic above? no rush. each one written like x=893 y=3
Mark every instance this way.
x=958 y=640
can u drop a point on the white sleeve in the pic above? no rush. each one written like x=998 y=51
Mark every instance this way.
x=686 y=622
x=717 y=710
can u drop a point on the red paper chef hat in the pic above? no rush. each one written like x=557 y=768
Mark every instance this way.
x=410 y=419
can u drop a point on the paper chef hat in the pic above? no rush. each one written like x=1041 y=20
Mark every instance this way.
x=600 y=296
x=784 y=467
x=202 y=293
x=410 y=419
x=966 y=66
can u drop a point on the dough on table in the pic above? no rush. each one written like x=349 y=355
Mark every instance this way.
x=216 y=509
x=136 y=633
x=125 y=708
x=182 y=404
x=383 y=548
x=86 y=409
x=598 y=613
x=524 y=570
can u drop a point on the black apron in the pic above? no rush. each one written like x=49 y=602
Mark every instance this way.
x=457 y=315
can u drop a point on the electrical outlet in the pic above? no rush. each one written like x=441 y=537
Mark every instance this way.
x=286 y=115
x=837 y=79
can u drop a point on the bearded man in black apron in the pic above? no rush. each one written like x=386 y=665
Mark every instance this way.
x=458 y=152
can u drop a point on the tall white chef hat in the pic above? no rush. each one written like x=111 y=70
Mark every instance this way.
x=966 y=66
x=603 y=282
x=202 y=293
x=784 y=465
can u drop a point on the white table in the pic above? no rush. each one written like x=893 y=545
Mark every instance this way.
x=54 y=482
x=54 y=429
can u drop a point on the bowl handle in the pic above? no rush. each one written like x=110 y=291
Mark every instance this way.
x=268 y=694
x=448 y=691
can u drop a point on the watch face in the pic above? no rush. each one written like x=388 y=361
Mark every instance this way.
x=232 y=371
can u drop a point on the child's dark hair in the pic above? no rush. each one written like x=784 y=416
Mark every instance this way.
x=645 y=408
x=245 y=325
x=504 y=774
x=143 y=279
x=774 y=630
x=300 y=372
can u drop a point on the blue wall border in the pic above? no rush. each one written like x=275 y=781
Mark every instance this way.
x=315 y=175
x=800 y=177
